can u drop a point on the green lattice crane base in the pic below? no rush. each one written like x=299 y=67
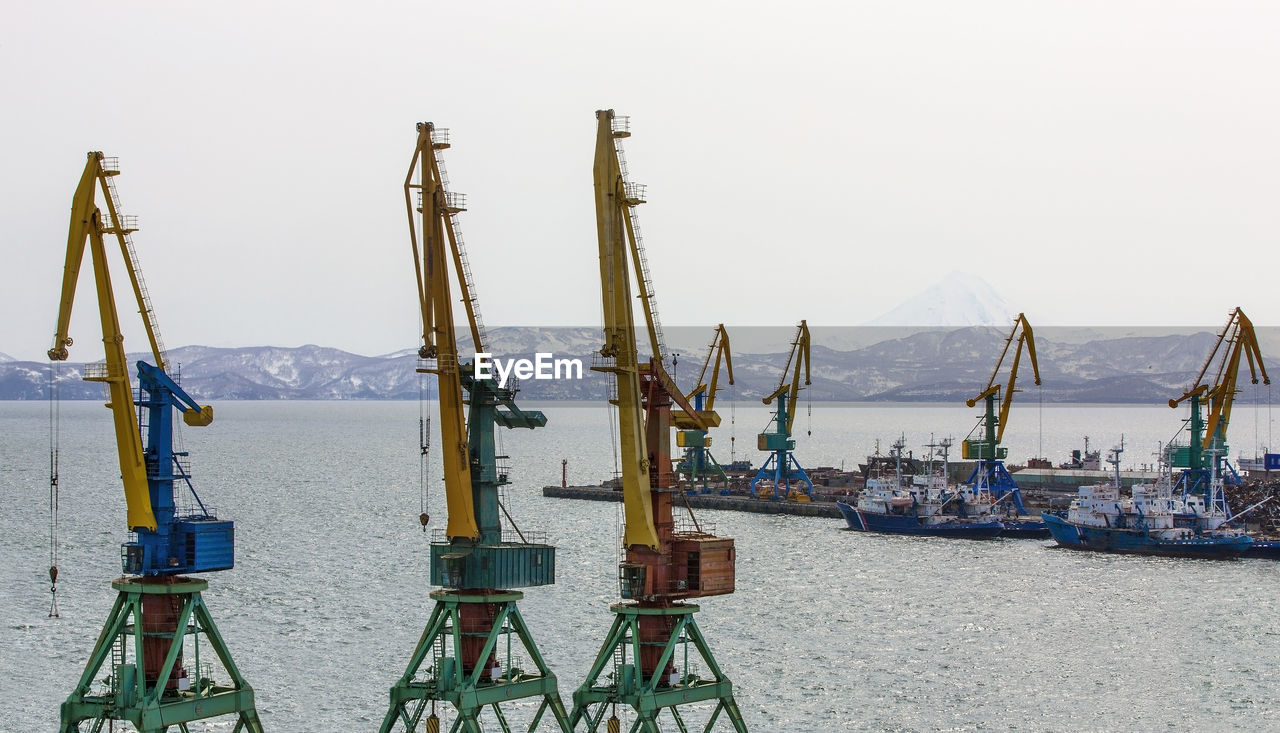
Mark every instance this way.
x=469 y=692
x=147 y=683
x=649 y=697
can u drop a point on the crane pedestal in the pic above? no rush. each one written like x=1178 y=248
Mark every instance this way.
x=468 y=647
x=143 y=640
x=775 y=477
x=993 y=476
x=649 y=649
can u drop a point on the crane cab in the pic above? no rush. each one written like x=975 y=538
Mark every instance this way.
x=192 y=545
x=981 y=450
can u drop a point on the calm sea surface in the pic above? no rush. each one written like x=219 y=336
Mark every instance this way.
x=829 y=630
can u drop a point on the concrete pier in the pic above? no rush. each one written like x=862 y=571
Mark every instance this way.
x=736 y=503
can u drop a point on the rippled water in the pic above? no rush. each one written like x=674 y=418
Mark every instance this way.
x=829 y=630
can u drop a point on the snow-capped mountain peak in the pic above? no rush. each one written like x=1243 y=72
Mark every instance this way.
x=959 y=299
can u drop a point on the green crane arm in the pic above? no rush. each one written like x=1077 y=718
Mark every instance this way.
x=1236 y=338
x=799 y=355
x=439 y=335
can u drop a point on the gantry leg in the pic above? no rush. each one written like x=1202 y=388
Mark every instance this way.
x=144 y=638
x=649 y=691
x=471 y=666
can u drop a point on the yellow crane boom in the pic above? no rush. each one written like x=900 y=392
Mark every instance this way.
x=614 y=232
x=439 y=242
x=798 y=357
x=1236 y=338
x=87 y=229
x=706 y=417
x=1025 y=337
x=720 y=348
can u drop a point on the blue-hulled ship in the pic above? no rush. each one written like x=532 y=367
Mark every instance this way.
x=921 y=504
x=1018 y=528
x=1191 y=518
x=905 y=520
x=1263 y=550
x=990 y=478
x=1003 y=487
x=1151 y=521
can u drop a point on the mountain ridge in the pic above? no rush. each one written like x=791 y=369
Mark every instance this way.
x=919 y=365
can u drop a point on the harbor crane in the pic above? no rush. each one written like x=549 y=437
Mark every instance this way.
x=655 y=642
x=781 y=476
x=152 y=637
x=698 y=465
x=990 y=472
x=1205 y=457
x=469 y=654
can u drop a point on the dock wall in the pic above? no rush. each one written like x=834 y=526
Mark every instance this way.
x=707 y=501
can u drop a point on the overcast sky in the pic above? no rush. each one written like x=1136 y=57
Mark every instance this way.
x=1098 y=163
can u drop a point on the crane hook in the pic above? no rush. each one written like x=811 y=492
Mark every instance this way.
x=53 y=589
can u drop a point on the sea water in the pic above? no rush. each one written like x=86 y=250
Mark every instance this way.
x=828 y=629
